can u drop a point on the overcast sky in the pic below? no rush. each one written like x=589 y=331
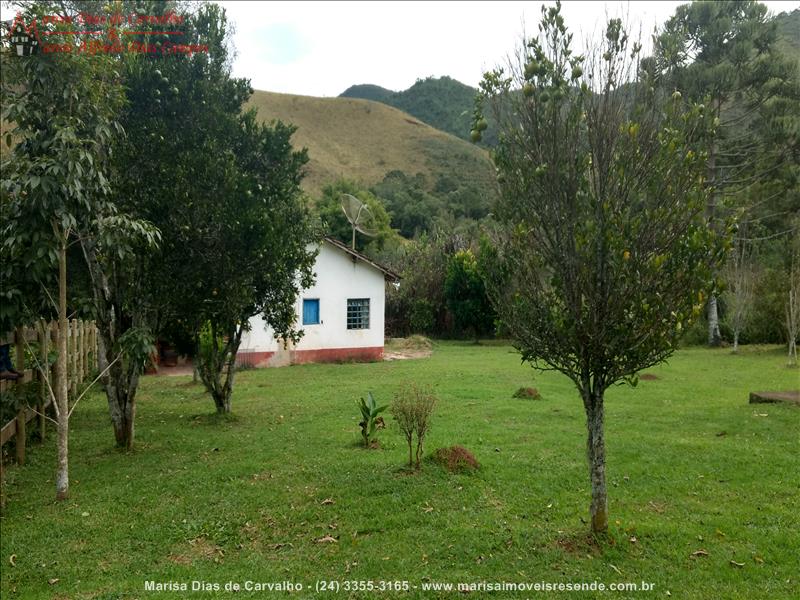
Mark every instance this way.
x=321 y=48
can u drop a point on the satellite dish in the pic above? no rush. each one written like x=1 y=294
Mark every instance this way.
x=359 y=215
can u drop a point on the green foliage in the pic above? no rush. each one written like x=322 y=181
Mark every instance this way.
x=418 y=305
x=62 y=111
x=601 y=262
x=742 y=65
x=466 y=296
x=370 y=419
x=234 y=223
x=137 y=345
x=368 y=92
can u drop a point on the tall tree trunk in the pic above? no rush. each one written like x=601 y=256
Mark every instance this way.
x=714 y=337
x=596 y=451
x=120 y=383
x=735 y=340
x=62 y=386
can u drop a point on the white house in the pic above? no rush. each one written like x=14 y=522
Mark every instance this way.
x=341 y=315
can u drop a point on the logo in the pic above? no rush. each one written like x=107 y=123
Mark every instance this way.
x=24 y=39
x=108 y=34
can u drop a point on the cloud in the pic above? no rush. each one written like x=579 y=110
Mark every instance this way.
x=280 y=43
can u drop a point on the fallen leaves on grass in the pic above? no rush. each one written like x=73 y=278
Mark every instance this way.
x=280 y=545
x=700 y=552
x=328 y=539
x=11 y=560
x=737 y=564
x=53 y=581
x=328 y=501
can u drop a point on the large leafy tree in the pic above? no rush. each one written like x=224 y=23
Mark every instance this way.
x=62 y=108
x=466 y=297
x=223 y=188
x=604 y=254
x=727 y=56
x=248 y=255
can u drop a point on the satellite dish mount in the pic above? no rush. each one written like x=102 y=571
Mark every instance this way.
x=359 y=216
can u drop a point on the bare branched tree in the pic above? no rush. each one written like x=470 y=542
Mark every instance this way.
x=741 y=276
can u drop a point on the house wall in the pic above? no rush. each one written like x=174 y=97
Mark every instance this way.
x=337 y=279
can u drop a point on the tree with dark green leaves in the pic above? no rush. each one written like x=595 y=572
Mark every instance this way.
x=604 y=254
x=466 y=295
x=223 y=188
x=249 y=250
x=63 y=109
x=726 y=55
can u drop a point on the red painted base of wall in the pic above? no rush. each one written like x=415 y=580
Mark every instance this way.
x=253 y=359
x=323 y=355
x=337 y=355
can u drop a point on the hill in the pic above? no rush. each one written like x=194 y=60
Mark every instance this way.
x=442 y=102
x=367 y=91
x=364 y=140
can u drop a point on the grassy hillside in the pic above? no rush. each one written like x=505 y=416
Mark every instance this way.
x=365 y=140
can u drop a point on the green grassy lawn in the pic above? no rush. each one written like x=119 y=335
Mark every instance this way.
x=691 y=466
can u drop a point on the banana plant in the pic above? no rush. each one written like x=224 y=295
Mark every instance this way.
x=370 y=422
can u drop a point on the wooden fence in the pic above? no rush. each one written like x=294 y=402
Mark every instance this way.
x=40 y=341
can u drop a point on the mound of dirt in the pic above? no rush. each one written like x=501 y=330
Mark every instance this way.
x=415 y=346
x=456 y=459
x=527 y=392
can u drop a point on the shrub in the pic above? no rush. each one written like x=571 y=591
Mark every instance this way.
x=456 y=459
x=412 y=409
x=527 y=392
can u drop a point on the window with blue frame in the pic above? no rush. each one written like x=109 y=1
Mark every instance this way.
x=311 y=311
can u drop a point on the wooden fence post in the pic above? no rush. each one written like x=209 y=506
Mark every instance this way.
x=86 y=337
x=95 y=347
x=44 y=376
x=21 y=437
x=73 y=355
x=81 y=356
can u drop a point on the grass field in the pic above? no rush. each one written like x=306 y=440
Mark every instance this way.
x=691 y=466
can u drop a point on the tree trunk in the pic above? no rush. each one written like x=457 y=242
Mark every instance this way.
x=62 y=385
x=735 y=341
x=714 y=338
x=121 y=395
x=596 y=451
x=120 y=383
x=220 y=361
